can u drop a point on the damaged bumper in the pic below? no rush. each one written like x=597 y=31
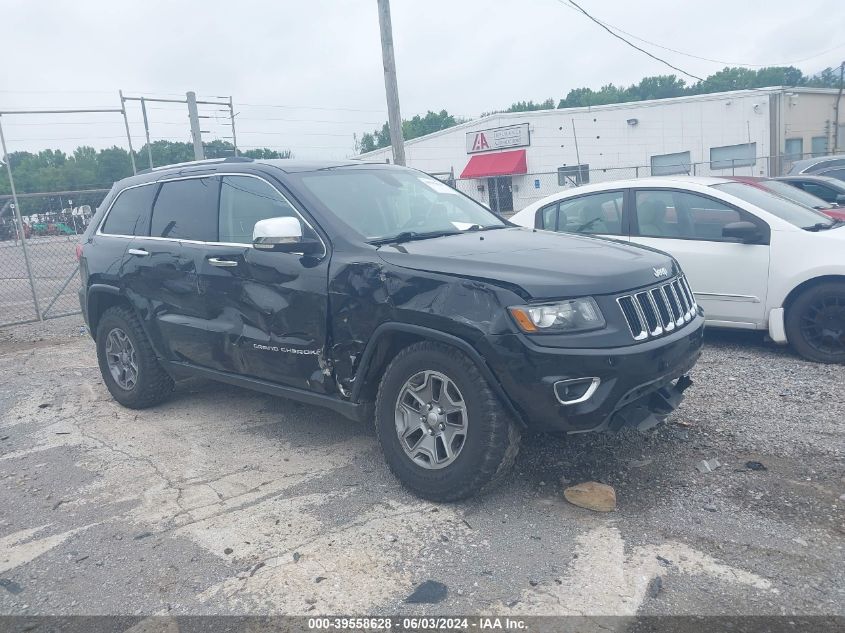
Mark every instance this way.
x=638 y=385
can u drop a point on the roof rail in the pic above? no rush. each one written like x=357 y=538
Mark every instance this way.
x=207 y=161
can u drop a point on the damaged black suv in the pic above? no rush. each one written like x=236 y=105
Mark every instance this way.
x=386 y=295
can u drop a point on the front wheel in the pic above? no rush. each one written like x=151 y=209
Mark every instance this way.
x=815 y=323
x=444 y=433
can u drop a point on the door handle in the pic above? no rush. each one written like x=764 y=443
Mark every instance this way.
x=222 y=263
x=140 y=252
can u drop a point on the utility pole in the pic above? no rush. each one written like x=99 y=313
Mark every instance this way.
x=147 y=131
x=391 y=88
x=128 y=135
x=196 y=135
x=232 y=119
x=836 y=109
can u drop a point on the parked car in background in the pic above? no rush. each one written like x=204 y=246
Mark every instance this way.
x=755 y=260
x=831 y=166
x=780 y=188
x=388 y=297
x=831 y=190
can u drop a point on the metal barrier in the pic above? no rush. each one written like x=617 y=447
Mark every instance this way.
x=39 y=274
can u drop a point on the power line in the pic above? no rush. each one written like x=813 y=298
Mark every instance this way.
x=631 y=44
x=706 y=59
x=292 y=107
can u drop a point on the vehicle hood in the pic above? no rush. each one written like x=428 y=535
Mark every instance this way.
x=543 y=264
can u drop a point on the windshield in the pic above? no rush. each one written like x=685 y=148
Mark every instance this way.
x=381 y=204
x=795 y=194
x=794 y=213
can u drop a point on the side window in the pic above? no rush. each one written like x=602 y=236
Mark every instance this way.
x=839 y=174
x=186 y=209
x=243 y=202
x=130 y=213
x=684 y=215
x=825 y=193
x=595 y=213
x=547 y=217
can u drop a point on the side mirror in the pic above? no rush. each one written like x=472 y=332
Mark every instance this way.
x=283 y=235
x=840 y=199
x=745 y=232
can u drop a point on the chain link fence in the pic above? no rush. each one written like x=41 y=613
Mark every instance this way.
x=39 y=274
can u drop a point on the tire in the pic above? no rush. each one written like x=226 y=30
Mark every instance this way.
x=491 y=438
x=815 y=323
x=151 y=384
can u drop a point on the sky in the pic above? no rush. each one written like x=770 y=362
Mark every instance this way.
x=306 y=75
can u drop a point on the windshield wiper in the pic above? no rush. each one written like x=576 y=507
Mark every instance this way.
x=819 y=226
x=409 y=236
x=478 y=227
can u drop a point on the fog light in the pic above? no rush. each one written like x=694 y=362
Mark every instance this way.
x=576 y=390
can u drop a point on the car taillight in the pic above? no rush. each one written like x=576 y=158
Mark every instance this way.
x=78 y=252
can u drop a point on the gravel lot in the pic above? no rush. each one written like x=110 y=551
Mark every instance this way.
x=223 y=501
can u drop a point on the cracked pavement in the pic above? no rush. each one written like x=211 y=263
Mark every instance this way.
x=224 y=501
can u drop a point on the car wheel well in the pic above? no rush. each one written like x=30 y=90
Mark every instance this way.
x=98 y=303
x=387 y=347
x=806 y=285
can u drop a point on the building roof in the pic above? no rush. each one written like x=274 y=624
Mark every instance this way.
x=474 y=123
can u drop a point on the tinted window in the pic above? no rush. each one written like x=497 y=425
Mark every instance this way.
x=839 y=174
x=791 y=193
x=548 y=217
x=684 y=215
x=822 y=191
x=792 y=212
x=130 y=213
x=187 y=209
x=597 y=213
x=243 y=202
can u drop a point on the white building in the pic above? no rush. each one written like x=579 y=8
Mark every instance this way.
x=510 y=160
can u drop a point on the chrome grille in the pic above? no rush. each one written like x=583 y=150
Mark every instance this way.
x=658 y=310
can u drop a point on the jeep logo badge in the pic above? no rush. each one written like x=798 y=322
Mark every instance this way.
x=660 y=272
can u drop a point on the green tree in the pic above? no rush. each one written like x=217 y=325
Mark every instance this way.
x=411 y=128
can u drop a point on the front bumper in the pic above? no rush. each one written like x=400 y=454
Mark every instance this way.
x=639 y=383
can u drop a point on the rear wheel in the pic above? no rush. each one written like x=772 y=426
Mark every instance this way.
x=127 y=361
x=444 y=433
x=815 y=323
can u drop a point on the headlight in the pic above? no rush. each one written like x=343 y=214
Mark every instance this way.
x=572 y=315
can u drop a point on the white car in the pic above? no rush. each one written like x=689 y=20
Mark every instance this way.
x=754 y=260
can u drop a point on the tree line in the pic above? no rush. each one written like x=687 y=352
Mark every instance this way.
x=88 y=168
x=654 y=87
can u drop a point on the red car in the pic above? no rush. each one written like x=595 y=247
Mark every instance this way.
x=789 y=192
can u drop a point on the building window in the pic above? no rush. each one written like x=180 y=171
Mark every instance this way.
x=573 y=175
x=729 y=156
x=667 y=164
x=818 y=145
x=793 y=148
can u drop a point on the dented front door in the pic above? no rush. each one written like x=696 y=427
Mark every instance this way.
x=263 y=314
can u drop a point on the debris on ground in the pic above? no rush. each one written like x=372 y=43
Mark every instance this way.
x=11 y=586
x=390 y=538
x=296 y=557
x=708 y=465
x=592 y=496
x=429 y=592
x=228 y=551
x=755 y=466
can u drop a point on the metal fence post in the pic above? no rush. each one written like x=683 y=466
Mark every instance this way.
x=19 y=220
x=128 y=134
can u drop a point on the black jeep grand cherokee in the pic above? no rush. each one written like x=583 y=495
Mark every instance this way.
x=380 y=292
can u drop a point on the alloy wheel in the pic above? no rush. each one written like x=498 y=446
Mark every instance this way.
x=431 y=419
x=121 y=359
